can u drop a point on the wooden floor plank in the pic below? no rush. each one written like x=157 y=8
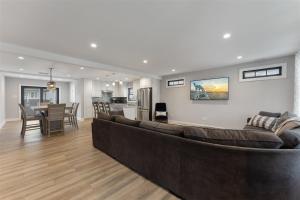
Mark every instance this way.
x=66 y=166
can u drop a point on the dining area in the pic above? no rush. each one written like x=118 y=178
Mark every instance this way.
x=48 y=117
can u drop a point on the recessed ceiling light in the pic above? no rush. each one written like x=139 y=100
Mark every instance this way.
x=121 y=82
x=82 y=68
x=107 y=85
x=97 y=78
x=21 y=69
x=173 y=70
x=94 y=45
x=226 y=35
x=239 y=57
x=21 y=58
x=113 y=84
x=145 y=61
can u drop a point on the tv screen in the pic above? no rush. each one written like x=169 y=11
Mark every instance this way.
x=210 y=89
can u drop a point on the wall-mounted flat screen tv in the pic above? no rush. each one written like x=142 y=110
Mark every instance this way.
x=210 y=89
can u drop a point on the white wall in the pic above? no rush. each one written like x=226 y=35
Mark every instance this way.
x=2 y=100
x=13 y=93
x=297 y=84
x=245 y=98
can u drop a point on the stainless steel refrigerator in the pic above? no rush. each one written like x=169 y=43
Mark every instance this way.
x=144 y=104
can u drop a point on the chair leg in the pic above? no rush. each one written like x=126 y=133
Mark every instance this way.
x=23 y=127
x=48 y=128
x=76 y=122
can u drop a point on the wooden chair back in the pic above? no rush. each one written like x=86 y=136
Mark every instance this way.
x=56 y=112
x=107 y=107
x=23 y=112
x=101 y=107
x=96 y=108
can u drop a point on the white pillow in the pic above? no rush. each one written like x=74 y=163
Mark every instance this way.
x=159 y=113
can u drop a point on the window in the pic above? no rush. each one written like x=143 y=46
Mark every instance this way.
x=130 y=95
x=263 y=73
x=175 y=82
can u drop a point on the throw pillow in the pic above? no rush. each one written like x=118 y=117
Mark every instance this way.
x=242 y=138
x=288 y=124
x=159 y=113
x=269 y=114
x=263 y=122
x=284 y=117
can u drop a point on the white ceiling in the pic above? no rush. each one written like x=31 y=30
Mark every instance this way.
x=181 y=34
x=9 y=63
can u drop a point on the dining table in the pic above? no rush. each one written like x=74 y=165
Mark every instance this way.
x=43 y=109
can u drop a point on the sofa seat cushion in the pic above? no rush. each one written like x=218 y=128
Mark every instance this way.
x=162 y=127
x=123 y=120
x=242 y=138
x=255 y=128
x=104 y=116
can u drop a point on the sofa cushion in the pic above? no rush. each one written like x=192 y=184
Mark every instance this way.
x=291 y=138
x=104 y=116
x=255 y=128
x=263 y=122
x=123 y=120
x=269 y=114
x=288 y=124
x=242 y=138
x=285 y=116
x=162 y=127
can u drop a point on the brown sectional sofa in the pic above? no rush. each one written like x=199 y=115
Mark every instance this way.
x=196 y=170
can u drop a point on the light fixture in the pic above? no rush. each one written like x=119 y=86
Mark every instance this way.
x=82 y=68
x=121 y=82
x=145 y=61
x=94 y=45
x=21 y=58
x=51 y=85
x=239 y=57
x=113 y=84
x=107 y=85
x=226 y=35
x=173 y=70
x=21 y=69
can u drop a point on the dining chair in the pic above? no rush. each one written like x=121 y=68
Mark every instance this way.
x=56 y=115
x=72 y=116
x=106 y=107
x=96 y=109
x=101 y=107
x=27 y=118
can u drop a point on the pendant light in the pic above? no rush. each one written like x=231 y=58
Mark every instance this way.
x=51 y=85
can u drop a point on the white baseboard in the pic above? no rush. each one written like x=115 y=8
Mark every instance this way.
x=192 y=124
x=12 y=119
x=2 y=124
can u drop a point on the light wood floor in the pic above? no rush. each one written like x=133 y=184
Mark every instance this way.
x=65 y=167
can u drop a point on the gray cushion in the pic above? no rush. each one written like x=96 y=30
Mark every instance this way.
x=291 y=138
x=269 y=114
x=123 y=120
x=104 y=116
x=243 y=138
x=162 y=127
x=249 y=127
